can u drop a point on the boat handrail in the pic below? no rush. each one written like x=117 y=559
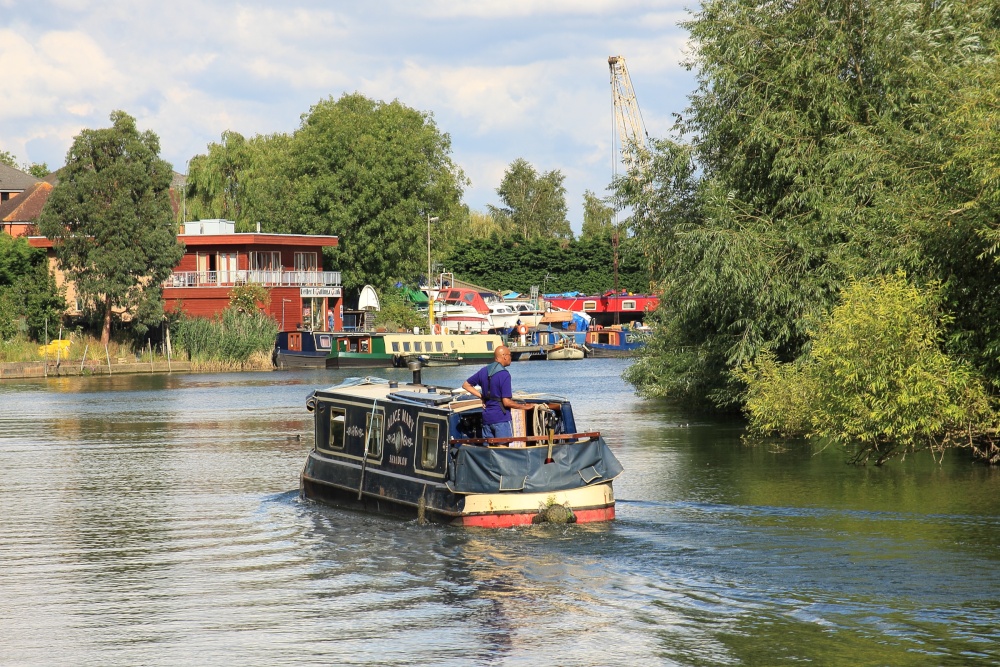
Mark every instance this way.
x=525 y=438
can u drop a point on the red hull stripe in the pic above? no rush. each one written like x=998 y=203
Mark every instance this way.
x=521 y=518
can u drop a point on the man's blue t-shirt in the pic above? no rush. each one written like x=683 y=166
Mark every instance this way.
x=494 y=389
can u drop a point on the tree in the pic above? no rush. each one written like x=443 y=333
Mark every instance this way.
x=28 y=292
x=371 y=173
x=533 y=204
x=38 y=170
x=111 y=221
x=874 y=379
x=822 y=149
x=598 y=217
x=8 y=159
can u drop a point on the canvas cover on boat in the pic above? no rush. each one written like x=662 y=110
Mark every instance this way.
x=497 y=469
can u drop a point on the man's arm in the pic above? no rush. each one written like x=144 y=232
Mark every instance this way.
x=511 y=404
x=472 y=390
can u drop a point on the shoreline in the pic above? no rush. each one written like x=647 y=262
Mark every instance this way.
x=43 y=369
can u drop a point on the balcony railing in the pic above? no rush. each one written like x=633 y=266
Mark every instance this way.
x=281 y=278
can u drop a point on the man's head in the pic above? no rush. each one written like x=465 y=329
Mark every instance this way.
x=502 y=355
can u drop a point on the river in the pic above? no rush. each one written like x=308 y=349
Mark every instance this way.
x=155 y=520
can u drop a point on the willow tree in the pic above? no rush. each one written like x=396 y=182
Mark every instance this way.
x=821 y=149
x=112 y=224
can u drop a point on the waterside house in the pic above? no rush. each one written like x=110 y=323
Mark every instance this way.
x=217 y=258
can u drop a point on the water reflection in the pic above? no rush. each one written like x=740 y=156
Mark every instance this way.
x=156 y=520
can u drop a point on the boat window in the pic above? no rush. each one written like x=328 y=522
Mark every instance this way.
x=628 y=305
x=324 y=342
x=338 y=418
x=395 y=346
x=374 y=435
x=438 y=346
x=590 y=305
x=469 y=297
x=364 y=345
x=429 y=445
x=489 y=345
x=417 y=346
x=406 y=347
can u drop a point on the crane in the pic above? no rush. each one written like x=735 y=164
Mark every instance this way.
x=628 y=137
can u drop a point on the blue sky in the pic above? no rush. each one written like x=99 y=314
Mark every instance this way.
x=506 y=79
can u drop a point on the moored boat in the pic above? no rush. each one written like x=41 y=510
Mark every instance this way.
x=417 y=449
x=302 y=349
x=563 y=350
x=384 y=350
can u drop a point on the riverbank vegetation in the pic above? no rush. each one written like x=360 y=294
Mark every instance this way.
x=234 y=341
x=831 y=145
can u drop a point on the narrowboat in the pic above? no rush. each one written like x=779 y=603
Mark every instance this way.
x=302 y=349
x=615 y=341
x=416 y=449
x=385 y=350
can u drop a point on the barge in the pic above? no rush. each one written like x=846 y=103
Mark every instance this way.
x=417 y=450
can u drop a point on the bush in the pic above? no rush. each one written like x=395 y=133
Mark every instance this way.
x=874 y=379
x=395 y=312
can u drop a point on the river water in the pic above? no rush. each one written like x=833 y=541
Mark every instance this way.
x=155 y=520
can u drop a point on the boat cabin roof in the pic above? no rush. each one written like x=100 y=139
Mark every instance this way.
x=377 y=389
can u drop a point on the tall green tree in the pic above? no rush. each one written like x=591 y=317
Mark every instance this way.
x=820 y=151
x=532 y=204
x=7 y=158
x=111 y=221
x=598 y=217
x=372 y=173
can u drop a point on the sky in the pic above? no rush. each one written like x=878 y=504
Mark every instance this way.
x=505 y=79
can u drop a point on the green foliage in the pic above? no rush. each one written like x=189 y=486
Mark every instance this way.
x=825 y=138
x=874 y=379
x=7 y=158
x=111 y=221
x=396 y=312
x=249 y=299
x=555 y=266
x=534 y=205
x=598 y=218
x=28 y=293
x=234 y=337
x=38 y=170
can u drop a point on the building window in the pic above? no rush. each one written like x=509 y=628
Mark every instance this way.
x=374 y=435
x=306 y=261
x=429 y=445
x=266 y=260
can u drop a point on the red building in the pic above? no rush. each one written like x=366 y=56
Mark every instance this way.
x=216 y=259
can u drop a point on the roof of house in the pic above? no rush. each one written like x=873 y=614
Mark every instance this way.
x=15 y=180
x=27 y=206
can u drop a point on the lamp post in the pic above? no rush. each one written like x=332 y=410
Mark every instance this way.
x=430 y=285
